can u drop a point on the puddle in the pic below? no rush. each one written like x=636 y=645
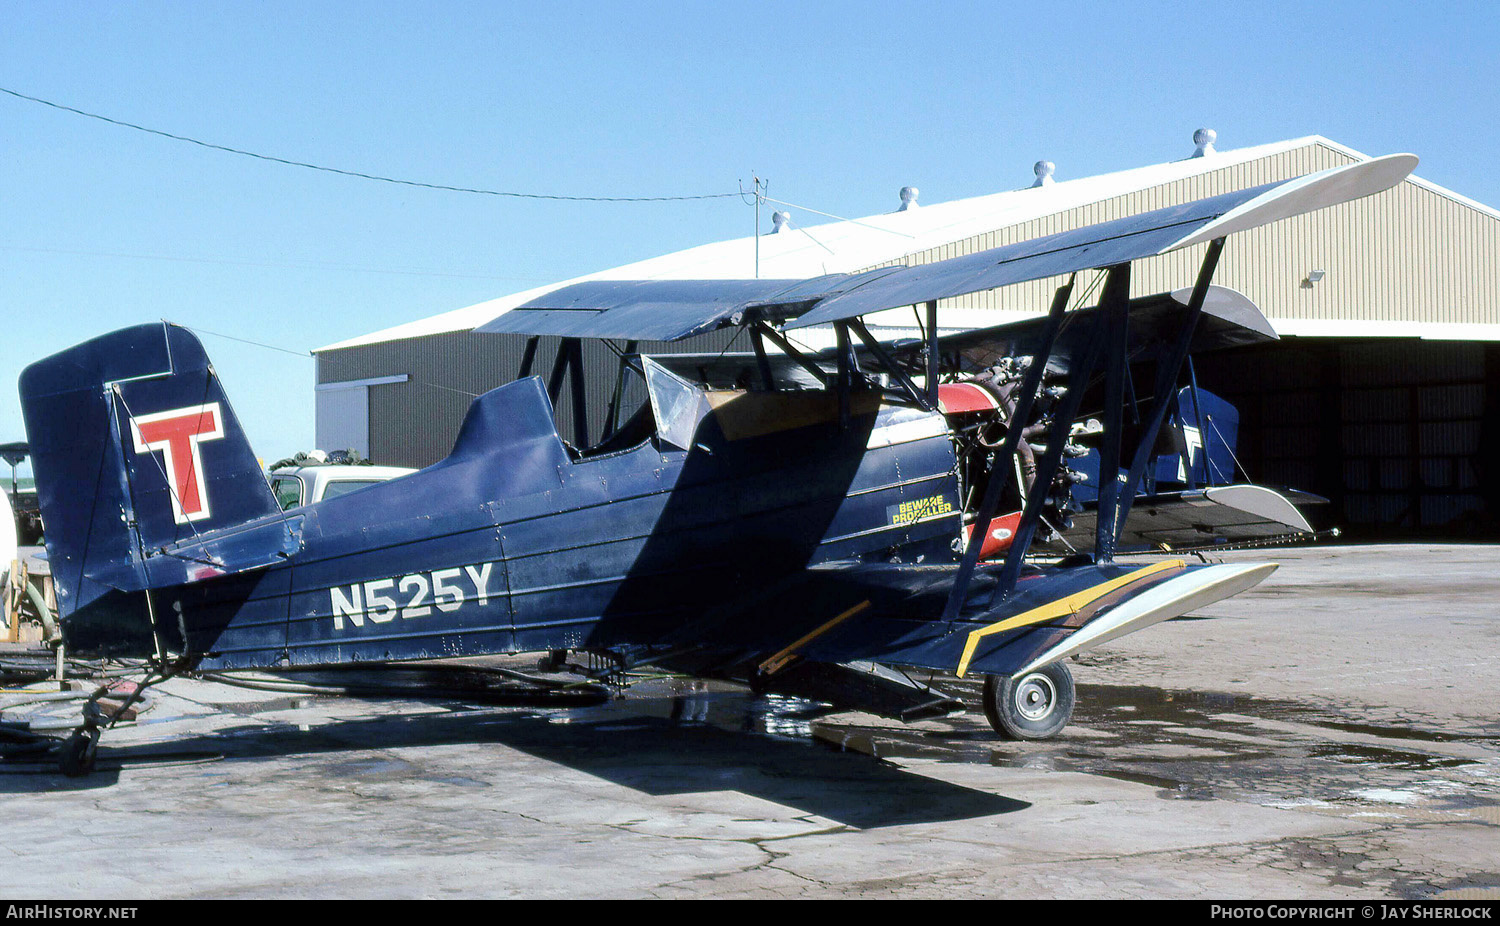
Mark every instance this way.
x=1388 y=758
x=376 y=768
x=1187 y=745
x=1197 y=745
x=457 y=780
x=1407 y=733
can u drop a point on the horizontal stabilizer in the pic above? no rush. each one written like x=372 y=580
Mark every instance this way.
x=1199 y=518
x=223 y=552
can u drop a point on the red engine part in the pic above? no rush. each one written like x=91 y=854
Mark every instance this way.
x=963 y=398
x=1002 y=532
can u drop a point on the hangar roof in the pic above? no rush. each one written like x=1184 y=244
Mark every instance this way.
x=941 y=230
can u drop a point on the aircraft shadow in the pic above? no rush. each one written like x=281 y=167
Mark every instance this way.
x=653 y=755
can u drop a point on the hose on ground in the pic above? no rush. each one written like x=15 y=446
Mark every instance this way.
x=539 y=692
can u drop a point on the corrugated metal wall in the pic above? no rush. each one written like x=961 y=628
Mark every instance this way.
x=1409 y=254
x=1155 y=275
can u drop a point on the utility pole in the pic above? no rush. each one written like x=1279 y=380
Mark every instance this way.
x=760 y=194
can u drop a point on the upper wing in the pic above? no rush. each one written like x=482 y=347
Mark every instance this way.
x=1111 y=243
x=668 y=310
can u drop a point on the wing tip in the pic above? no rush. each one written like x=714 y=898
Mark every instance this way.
x=1308 y=193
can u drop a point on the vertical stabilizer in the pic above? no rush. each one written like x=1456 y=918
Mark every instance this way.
x=134 y=448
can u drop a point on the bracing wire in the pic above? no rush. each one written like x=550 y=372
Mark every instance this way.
x=230 y=337
x=782 y=202
x=160 y=468
x=308 y=355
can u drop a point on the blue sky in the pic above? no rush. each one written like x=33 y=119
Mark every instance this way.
x=839 y=104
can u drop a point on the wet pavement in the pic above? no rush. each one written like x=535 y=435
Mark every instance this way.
x=1217 y=756
x=1200 y=745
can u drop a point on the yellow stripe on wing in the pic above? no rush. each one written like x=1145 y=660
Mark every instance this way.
x=1062 y=607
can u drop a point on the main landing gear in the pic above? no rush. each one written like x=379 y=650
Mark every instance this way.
x=1034 y=706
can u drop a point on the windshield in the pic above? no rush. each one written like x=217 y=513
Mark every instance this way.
x=288 y=491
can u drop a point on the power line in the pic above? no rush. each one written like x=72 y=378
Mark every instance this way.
x=293 y=264
x=354 y=173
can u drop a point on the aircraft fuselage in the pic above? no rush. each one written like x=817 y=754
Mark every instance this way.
x=513 y=544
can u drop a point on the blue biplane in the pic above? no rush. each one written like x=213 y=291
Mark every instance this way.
x=815 y=523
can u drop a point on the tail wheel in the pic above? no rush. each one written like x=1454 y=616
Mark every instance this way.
x=1034 y=706
x=76 y=758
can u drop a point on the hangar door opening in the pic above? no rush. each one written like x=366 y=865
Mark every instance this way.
x=342 y=415
x=1401 y=435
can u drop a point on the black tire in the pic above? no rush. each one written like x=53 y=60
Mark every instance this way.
x=1035 y=706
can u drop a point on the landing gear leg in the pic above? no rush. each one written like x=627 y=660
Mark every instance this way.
x=76 y=758
x=1034 y=706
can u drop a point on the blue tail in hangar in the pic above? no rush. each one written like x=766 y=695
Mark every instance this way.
x=142 y=468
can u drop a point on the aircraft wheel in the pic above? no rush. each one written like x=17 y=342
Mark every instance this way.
x=1035 y=706
x=78 y=752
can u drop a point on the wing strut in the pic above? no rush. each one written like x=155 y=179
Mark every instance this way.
x=569 y=366
x=797 y=356
x=612 y=414
x=1116 y=291
x=932 y=356
x=1167 y=371
x=528 y=357
x=762 y=361
x=1114 y=325
x=923 y=399
x=846 y=368
x=1024 y=399
x=580 y=401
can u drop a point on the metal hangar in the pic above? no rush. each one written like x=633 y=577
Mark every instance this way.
x=1383 y=393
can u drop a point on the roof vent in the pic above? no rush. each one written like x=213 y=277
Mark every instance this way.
x=1204 y=139
x=780 y=222
x=1043 y=171
x=908 y=198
